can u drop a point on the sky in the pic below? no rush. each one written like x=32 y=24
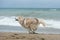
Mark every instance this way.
x=29 y=3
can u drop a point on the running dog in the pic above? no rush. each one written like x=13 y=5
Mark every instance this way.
x=30 y=23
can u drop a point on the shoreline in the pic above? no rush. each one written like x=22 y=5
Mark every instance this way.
x=26 y=36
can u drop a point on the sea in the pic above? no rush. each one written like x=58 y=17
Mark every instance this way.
x=50 y=15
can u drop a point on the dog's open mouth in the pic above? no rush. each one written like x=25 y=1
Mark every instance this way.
x=16 y=19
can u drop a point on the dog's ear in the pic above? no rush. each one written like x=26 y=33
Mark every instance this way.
x=20 y=17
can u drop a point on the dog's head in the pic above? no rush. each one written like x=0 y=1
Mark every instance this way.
x=19 y=18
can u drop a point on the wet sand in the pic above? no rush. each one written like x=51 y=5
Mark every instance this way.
x=26 y=36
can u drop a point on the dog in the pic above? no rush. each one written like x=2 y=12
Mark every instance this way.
x=31 y=24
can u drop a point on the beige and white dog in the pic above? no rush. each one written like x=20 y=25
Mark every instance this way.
x=30 y=23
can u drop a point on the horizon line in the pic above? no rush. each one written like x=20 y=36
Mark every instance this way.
x=22 y=8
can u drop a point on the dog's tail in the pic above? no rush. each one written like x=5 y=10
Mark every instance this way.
x=41 y=21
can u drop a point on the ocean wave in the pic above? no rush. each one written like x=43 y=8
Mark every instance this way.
x=4 y=20
x=8 y=21
x=52 y=9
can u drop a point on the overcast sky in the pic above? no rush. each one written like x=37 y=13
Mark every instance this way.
x=29 y=3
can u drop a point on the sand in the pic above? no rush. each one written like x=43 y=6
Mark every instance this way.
x=26 y=36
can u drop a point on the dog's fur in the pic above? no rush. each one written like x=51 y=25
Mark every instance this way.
x=30 y=23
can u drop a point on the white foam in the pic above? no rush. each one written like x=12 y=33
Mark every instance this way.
x=53 y=23
x=11 y=21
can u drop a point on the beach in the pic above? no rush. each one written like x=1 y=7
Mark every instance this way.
x=26 y=36
x=10 y=29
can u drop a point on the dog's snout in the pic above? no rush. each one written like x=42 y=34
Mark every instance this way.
x=16 y=19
